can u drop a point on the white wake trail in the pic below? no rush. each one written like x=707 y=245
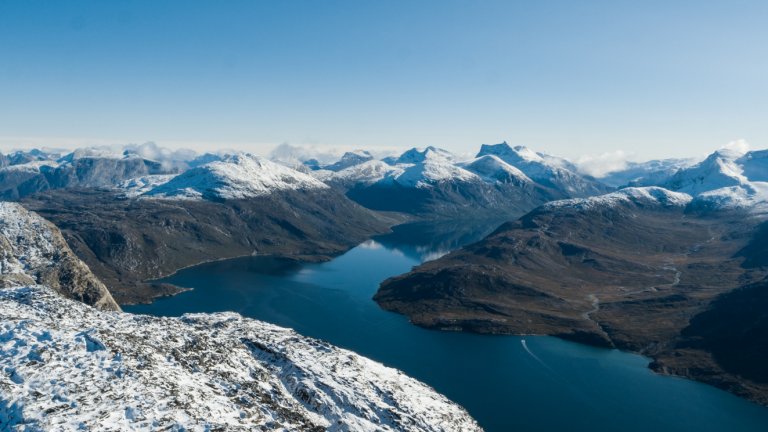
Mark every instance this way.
x=535 y=357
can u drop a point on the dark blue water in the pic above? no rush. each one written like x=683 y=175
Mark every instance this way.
x=556 y=386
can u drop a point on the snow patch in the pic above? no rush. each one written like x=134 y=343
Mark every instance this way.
x=636 y=195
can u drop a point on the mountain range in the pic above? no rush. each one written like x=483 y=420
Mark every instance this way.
x=660 y=258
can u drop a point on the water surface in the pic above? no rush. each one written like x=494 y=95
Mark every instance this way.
x=507 y=383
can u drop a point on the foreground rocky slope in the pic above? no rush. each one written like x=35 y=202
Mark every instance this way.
x=69 y=366
x=127 y=241
x=629 y=269
x=33 y=251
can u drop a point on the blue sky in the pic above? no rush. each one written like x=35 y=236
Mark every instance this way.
x=570 y=77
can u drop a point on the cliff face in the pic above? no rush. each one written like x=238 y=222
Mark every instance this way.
x=33 y=251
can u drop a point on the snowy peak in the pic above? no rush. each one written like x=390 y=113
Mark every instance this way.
x=492 y=168
x=727 y=179
x=546 y=170
x=653 y=172
x=432 y=171
x=416 y=155
x=366 y=173
x=350 y=159
x=513 y=156
x=236 y=176
x=718 y=170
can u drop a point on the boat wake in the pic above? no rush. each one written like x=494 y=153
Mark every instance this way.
x=535 y=357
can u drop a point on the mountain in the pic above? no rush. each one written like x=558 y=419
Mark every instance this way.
x=417 y=155
x=350 y=159
x=726 y=179
x=33 y=155
x=24 y=179
x=83 y=168
x=130 y=240
x=491 y=168
x=77 y=171
x=365 y=173
x=650 y=173
x=236 y=176
x=430 y=183
x=33 y=251
x=551 y=172
x=628 y=269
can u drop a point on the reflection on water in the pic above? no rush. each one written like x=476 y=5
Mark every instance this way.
x=507 y=383
x=427 y=241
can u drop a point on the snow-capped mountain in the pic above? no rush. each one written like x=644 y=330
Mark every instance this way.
x=33 y=155
x=350 y=159
x=431 y=182
x=546 y=170
x=82 y=168
x=648 y=173
x=726 y=179
x=236 y=176
x=33 y=251
x=418 y=155
x=365 y=173
x=491 y=168
x=433 y=170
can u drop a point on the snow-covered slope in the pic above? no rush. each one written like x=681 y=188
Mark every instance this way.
x=431 y=171
x=136 y=186
x=644 y=196
x=648 y=173
x=546 y=170
x=32 y=167
x=415 y=168
x=491 y=168
x=71 y=367
x=350 y=159
x=717 y=171
x=366 y=173
x=726 y=179
x=418 y=155
x=32 y=251
x=235 y=177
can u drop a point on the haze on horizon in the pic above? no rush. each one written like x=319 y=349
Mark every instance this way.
x=619 y=79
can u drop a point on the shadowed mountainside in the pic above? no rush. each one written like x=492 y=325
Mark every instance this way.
x=128 y=241
x=628 y=274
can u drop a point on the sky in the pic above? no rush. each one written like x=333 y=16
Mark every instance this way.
x=577 y=79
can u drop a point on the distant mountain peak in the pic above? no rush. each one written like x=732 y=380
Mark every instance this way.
x=236 y=176
x=419 y=155
x=350 y=158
